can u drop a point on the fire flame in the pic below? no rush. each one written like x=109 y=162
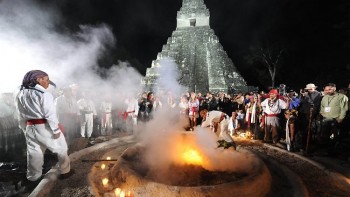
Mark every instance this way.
x=105 y=182
x=191 y=156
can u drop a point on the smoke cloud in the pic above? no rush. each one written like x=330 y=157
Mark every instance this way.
x=31 y=37
x=29 y=40
x=165 y=140
x=166 y=144
x=169 y=73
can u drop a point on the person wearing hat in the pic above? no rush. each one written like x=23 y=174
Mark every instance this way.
x=309 y=101
x=272 y=108
x=37 y=118
x=310 y=86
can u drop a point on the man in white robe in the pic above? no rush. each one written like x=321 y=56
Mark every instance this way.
x=87 y=113
x=218 y=122
x=38 y=120
x=131 y=113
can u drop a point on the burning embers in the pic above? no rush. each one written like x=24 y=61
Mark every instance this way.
x=187 y=168
x=188 y=172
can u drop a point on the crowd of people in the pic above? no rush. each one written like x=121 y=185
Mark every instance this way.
x=295 y=118
x=298 y=119
x=85 y=115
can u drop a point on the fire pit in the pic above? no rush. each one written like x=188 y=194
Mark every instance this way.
x=192 y=174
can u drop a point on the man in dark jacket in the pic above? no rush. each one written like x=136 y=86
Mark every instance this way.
x=309 y=103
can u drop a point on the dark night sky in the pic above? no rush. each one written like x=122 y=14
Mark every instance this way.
x=314 y=34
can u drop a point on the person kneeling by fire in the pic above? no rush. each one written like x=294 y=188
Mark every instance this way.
x=218 y=122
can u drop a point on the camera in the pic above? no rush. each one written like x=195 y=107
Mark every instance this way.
x=282 y=89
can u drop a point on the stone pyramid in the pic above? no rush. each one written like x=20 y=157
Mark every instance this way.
x=202 y=62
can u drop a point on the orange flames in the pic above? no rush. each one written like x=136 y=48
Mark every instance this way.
x=188 y=152
x=192 y=156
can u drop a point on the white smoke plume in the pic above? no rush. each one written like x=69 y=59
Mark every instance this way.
x=30 y=39
x=165 y=140
x=169 y=72
x=166 y=145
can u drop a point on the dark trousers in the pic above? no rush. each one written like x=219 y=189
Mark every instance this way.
x=269 y=129
x=329 y=127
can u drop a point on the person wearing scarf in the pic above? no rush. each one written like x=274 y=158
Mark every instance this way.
x=38 y=120
x=272 y=107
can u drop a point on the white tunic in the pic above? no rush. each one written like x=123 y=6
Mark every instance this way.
x=275 y=108
x=214 y=117
x=36 y=103
x=106 y=107
x=132 y=107
x=87 y=106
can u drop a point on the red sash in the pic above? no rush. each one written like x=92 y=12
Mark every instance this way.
x=125 y=114
x=36 y=121
x=271 y=115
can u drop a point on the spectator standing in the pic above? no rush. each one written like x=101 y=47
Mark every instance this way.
x=183 y=110
x=106 y=116
x=238 y=102
x=253 y=110
x=211 y=102
x=333 y=110
x=170 y=101
x=294 y=100
x=131 y=111
x=309 y=102
x=87 y=113
x=193 y=108
x=291 y=124
x=67 y=110
x=150 y=102
x=240 y=117
x=142 y=107
x=234 y=124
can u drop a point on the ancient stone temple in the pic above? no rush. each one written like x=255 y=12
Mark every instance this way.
x=201 y=60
